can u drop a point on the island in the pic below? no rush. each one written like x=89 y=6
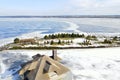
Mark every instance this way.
x=64 y=41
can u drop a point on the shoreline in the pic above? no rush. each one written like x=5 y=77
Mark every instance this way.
x=61 y=48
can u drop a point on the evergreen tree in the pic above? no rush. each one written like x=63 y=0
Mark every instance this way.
x=59 y=42
x=68 y=41
x=52 y=42
x=71 y=41
x=16 y=40
x=53 y=36
x=72 y=35
x=45 y=37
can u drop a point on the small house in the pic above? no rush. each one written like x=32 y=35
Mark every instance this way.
x=27 y=41
x=44 y=67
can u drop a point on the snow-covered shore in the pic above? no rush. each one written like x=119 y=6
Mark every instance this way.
x=85 y=64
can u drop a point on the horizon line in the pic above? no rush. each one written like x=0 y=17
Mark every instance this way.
x=60 y=16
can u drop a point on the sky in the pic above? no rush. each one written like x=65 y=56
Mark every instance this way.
x=59 y=7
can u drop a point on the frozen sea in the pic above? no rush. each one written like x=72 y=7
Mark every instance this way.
x=12 y=27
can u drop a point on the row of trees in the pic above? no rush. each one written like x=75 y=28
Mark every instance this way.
x=52 y=42
x=73 y=35
x=64 y=35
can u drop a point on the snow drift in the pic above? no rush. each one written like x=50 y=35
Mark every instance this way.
x=85 y=64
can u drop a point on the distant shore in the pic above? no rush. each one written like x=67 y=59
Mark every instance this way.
x=64 y=16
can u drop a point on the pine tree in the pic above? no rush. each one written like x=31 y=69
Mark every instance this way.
x=52 y=42
x=45 y=37
x=59 y=42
